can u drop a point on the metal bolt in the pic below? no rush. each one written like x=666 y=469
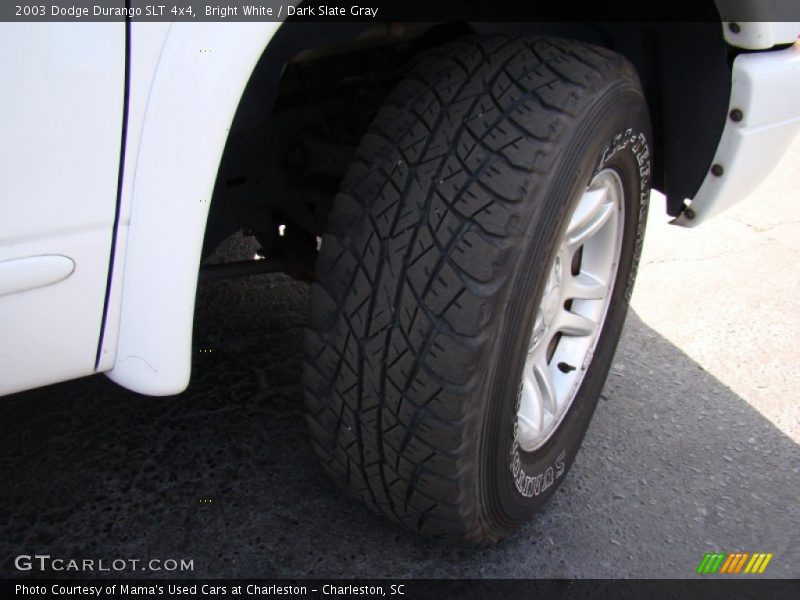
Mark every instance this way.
x=717 y=170
x=734 y=27
x=736 y=115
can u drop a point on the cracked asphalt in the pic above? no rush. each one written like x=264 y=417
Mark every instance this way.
x=694 y=446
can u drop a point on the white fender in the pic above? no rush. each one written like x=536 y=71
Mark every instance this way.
x=199 y=78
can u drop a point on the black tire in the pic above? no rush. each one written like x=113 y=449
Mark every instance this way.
x=437 y=244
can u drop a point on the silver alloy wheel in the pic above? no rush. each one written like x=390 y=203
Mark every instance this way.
x=572 y=310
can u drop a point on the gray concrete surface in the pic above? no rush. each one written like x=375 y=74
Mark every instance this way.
x=694 y=446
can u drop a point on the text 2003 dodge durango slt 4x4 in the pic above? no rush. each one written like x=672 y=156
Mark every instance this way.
x=467 y=199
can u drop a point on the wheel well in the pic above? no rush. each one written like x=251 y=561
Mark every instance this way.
x=317 y=86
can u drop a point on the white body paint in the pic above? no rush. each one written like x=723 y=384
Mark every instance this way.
x=766 y=89
x=60 y=127
x=196 y=85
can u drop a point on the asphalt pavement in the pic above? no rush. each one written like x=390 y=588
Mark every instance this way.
x=694 y=446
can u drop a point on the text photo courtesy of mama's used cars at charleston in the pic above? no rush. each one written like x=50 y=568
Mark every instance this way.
x=443 y=214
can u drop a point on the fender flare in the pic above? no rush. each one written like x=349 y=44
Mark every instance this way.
x=199 y=79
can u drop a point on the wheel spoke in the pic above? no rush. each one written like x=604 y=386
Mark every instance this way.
x=538 y=332
x=530 y=413
x=573 y=324
x=590 y=204
x=584 y=287
x=547 y=388
x=589 y=221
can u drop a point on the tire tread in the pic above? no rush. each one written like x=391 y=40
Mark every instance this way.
x=412 y=274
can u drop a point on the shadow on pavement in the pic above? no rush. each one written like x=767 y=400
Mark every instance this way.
x=674 y=465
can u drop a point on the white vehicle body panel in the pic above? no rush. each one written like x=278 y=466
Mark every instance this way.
x=760 y=35
x=201 y=75
x=147 y=43
x=61 y=122
x=766 y=89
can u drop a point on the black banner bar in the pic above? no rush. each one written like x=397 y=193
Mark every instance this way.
x=422 y=589
x=399 y=10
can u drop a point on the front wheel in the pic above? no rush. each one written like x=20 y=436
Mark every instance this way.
x=474 y=282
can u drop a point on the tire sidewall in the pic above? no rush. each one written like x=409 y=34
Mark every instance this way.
x=614 y=134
